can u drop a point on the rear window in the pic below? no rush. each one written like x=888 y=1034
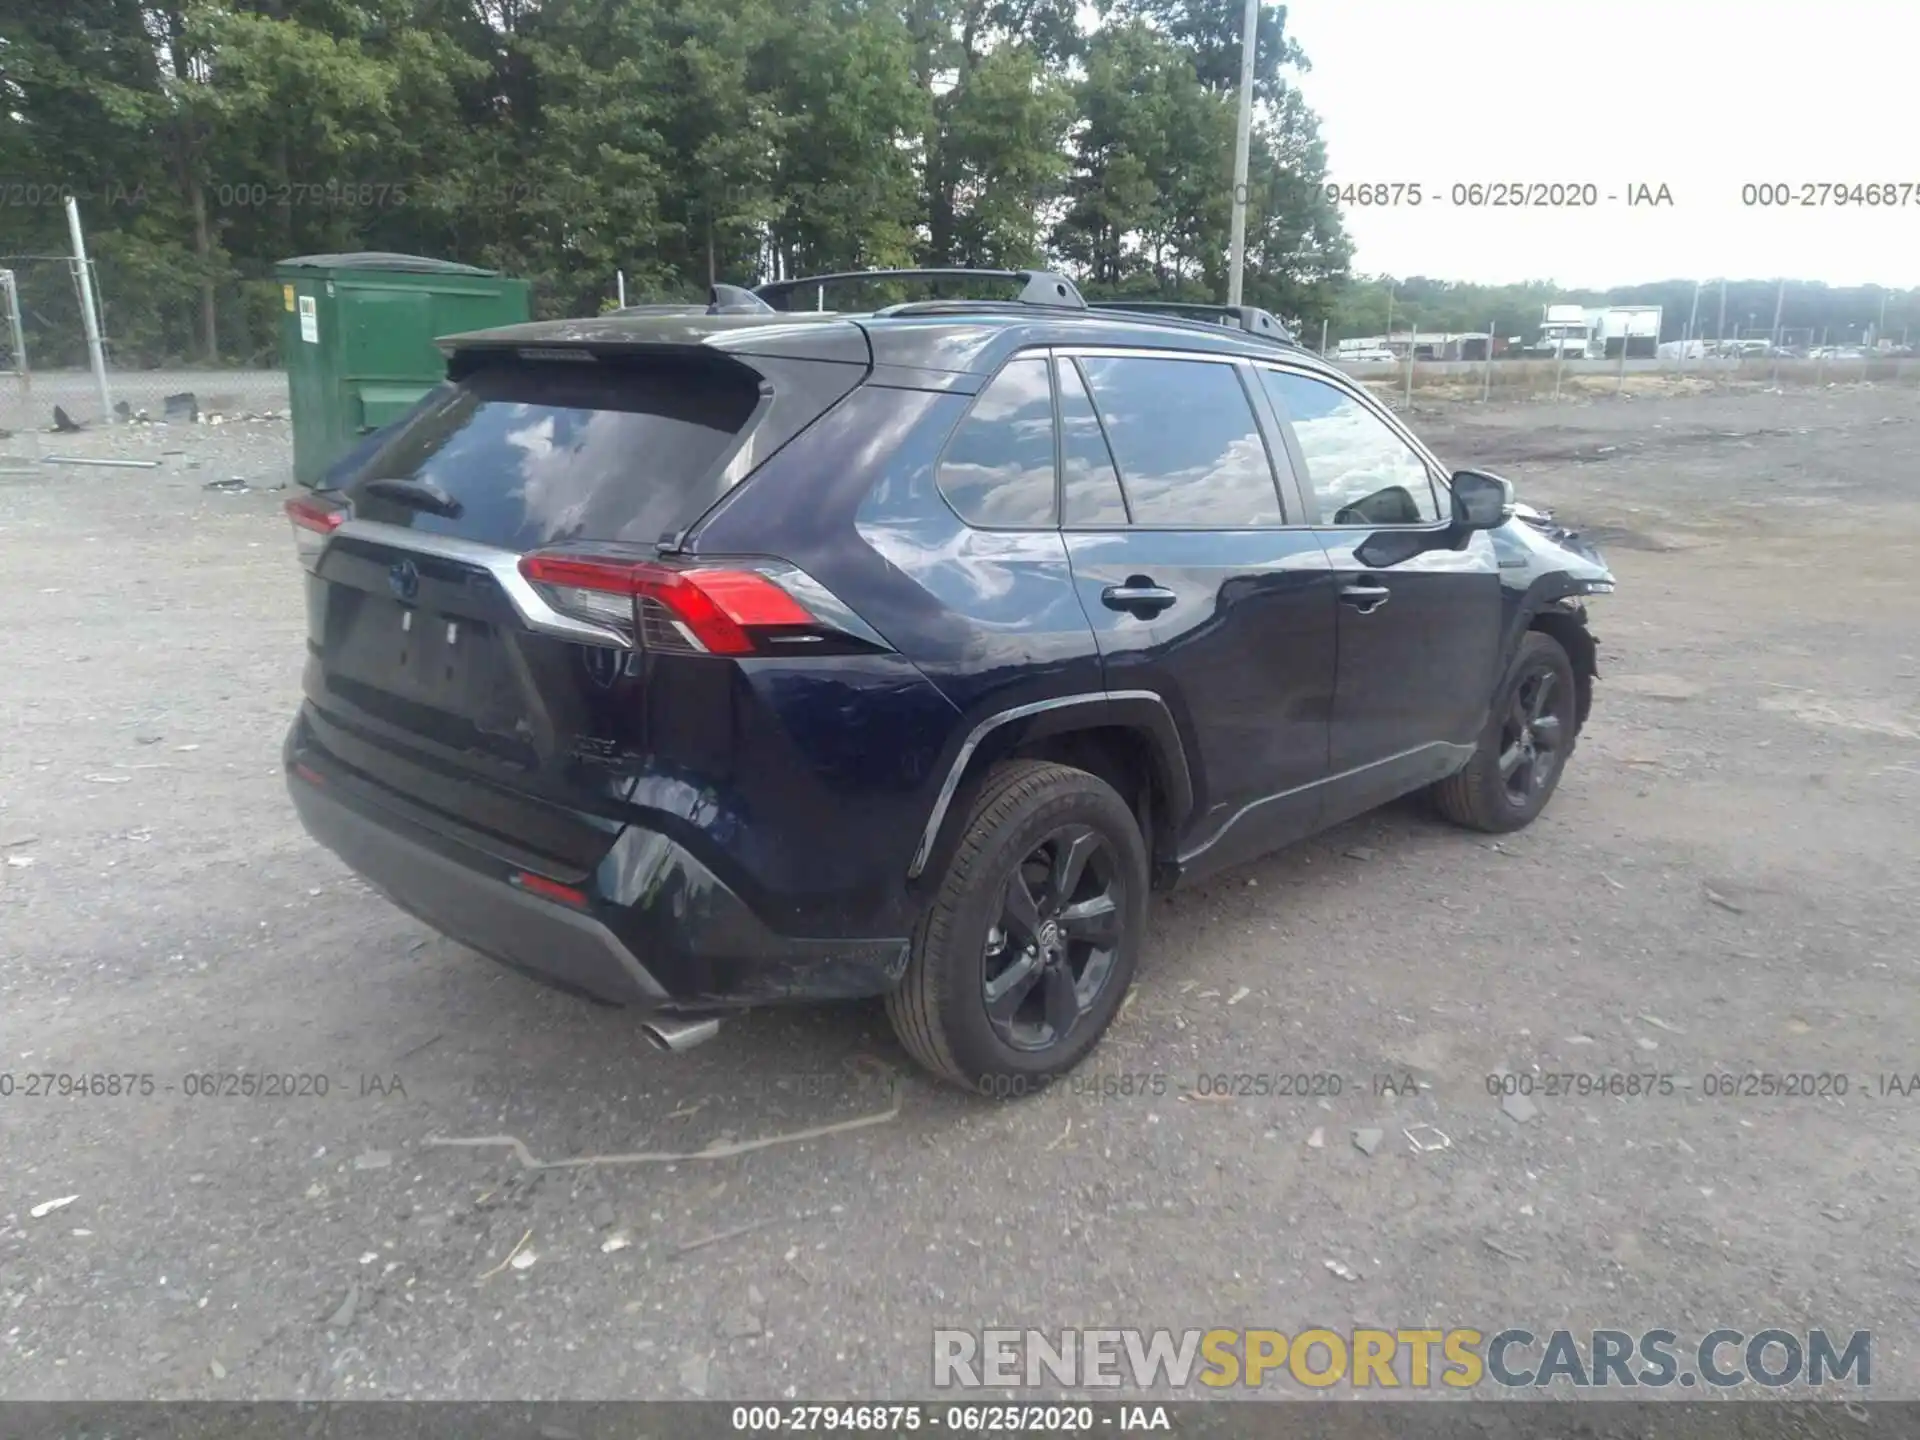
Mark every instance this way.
x=547 y=452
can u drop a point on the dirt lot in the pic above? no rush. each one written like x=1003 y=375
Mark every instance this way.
x=1727 y=883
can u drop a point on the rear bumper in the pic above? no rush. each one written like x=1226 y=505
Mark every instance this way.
x=657 y=930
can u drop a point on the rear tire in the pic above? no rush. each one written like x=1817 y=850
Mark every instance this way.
x=1026 y=951
x=1523 y=751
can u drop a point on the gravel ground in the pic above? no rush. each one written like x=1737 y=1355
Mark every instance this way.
x=1725 y=883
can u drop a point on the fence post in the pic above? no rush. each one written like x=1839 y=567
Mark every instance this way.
x=18 y=333
x=1413 y=347
x=83 y=277
x=1487 y=393
x=1559 y=365
x=1323 y=337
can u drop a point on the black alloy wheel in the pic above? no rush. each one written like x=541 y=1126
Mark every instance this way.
x=1051 y=951
x=1533 y=733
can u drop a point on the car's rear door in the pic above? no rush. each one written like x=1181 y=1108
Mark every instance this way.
x=1202 y=583
x=1419 y=616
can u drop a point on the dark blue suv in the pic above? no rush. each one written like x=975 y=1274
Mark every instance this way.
x=695 y=658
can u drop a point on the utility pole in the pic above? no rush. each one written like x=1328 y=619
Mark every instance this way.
x=1686 y=341
x=1720 y=330
x=1242 y=151
x=83 y=278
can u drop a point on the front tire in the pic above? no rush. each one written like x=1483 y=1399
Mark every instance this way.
x=1025 y=953
x=1524 y=749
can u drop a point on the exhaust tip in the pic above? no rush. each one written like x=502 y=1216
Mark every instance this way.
x=678 y=1035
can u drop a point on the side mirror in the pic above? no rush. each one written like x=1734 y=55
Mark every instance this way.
x=1480 y=501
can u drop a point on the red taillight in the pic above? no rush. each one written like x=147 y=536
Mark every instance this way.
x=314 y=521
x=550 y=889
x=667 y=608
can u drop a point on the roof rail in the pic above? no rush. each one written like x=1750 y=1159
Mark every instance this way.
x=1037 y=287
x=1250 y=318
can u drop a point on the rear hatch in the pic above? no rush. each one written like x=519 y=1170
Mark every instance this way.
x=441 y=682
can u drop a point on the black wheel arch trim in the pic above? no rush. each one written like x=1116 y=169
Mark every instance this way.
x=1551 y=606
x=1139 y=710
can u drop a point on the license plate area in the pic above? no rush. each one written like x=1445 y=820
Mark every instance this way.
x=445 y=662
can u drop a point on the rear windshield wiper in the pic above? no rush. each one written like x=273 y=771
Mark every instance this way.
x=416 y=495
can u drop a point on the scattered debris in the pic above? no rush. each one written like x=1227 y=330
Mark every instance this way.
x=1060 y=1139
x=93 y=460
x=603 y=1216
x=16 y=844
x=1579 y=1040
x=47 y=1207
x=719 y=1238
x=1611 y=881
x=1714 y=897
x=373 y=1160
x=524 y=1260
x=123 y=410
x=1519 y=1108
x=109 y=779
x=348 y=1308
x=1367 y=1141
x=1239 y=995
x=1318 y=1139
x=512 y=1254
x=1659 y=1024
x=235 y=486
x=65 y=423
x=217 y=1370
x=1497 y=1248
x=1430 y=1138
x=1345 y=1272
x=180 y=407
x=1646 y=1044
x=19 y=862
x=148 y=739
x=619 y=1240
x=717 y=1151
x=1359 y=852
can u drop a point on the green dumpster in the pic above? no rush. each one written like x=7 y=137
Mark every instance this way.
x=357 y=333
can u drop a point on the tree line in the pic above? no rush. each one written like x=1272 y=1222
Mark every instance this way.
x=677 y=141
x=686 y=141
x=1368 y=304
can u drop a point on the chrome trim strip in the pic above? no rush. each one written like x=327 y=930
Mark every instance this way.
x=980 y=732
x=1188 y=857
x=502 y=564
x=1147 y=352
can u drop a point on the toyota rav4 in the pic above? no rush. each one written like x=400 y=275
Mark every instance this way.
x=698 y=658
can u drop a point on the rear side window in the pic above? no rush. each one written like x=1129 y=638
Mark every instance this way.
x=998 y=469
x=539 y=453
x=1184 y=437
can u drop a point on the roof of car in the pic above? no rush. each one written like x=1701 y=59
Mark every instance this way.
x=949 y=336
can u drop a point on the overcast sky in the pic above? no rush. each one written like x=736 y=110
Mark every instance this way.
x=1701 y=95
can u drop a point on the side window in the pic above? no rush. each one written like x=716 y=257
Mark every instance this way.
x=1089 y=485
x=1363 y=473
x=1184 y=437
x=998 y=468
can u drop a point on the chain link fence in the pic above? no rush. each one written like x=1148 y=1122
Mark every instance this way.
x=49 y=383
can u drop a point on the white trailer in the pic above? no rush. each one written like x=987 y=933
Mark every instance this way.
x=1636 y=327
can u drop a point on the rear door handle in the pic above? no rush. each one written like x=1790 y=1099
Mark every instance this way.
x=1139 y=596
x=1365 y=598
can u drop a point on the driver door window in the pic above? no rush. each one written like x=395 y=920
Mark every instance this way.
x=1362 y=473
